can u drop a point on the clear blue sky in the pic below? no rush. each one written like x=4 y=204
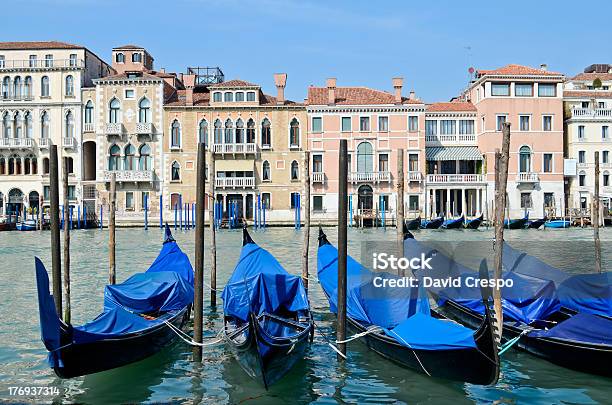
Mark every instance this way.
x=430 y=43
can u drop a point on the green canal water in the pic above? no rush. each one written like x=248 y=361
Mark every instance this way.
x=170 y=376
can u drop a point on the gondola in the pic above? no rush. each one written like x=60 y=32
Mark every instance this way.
x=534 y=320
x=414 y=224
x=134 y=323
x=433 y=223
x=537 y=224
x=27 y=225
x=268 y=324
x=557 y=224
x=474 y=223
x=398 y=324
x=516 y=223
x=454 y=223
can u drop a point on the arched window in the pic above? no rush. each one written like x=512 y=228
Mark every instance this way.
x=113 y=157
x=239 y=96
x=44 y=125
x=129 y=160
x=229 y=131
x=239 y=131
x=294 y=133
x=46 y=166
x=114 y=112
x=69 y=125
x=250 y=132
x=203 y=132
x=265 y=171
x=606 y=178
x=2 y=166
x=89 y=110
x=6 y=125
x=6 y=87
x=364 y=158
x=295 y=171
x=28 y=125
x=582 y=178
x=70 y=165
x=18 y=132
x=27 y=87
x=136 y=57
x=217 y=96
x=145 y=158
x=218 y=132
x=144 y=111
x=228 y=96
x=525 y=159
x=120 y=57
x=175 y=138
x=34 y=163
x=17 y=160
x=44 y=86
x=266 y=133
x=69 y=86
x=176 y=171
x=17 y=87
x=26 y=165
x=11 y=165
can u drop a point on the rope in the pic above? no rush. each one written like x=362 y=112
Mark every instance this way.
x=373 y=328
x=187 y=339
x=334 y=348
x=512 y=341
x=413 y=352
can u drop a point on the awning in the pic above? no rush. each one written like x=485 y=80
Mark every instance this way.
x=453 y=153
x=241 y=165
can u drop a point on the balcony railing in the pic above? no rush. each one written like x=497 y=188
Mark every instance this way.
x=455 y=139
x=144 y=128
x=44 y=143
x=235 y=182
x=415 y=176
x=367 y=177
x=130 y=175
x=455 y=178
x=18 y=97
x=318 y=177
x=68 y=142
x=527 y=178
x=16 y=143
x=592 y=112
x=41 y=63
x=235 y=148
x=113 y=128
x=88 y=127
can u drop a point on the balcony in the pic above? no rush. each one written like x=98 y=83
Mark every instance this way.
x=455 y=178
x=130 y=176
x=527 y=178
x=144 y=128
x=88 y=127
x=44 y=143
x=592 y=113
x=68 y=142
x=369 y=177
x=415 y=176
x=16 y=143
x=318 y=177
x=113 y=129
x=41 y=64
x=450 y=140
x=235 y=148
x=235 y=182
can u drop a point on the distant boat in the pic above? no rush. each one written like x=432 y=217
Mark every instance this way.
x=516 y=223
x=414 y=224
x=432 y=224
x=454 y=223
x=474 y=223
x=27 y=225
x=537 y=224
x=6 y=225
x=557 y=223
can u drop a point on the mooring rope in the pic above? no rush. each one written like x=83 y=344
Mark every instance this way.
x=512 y=341
x=334 y=348
x=373 y=328
x=187 y=339
x=413 y=352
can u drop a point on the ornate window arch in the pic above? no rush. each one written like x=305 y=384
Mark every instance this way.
x=294 y=133
x=266 y=133
x=114 y=153
x=524 y=159
x=6 y=87
x=114 y=111
x=27 y=87
x=239 y=131
x=69 y=85
x=218 y=131
x=295 y=171
x=365 y=157
x=229 y=131
x=28 y=124
x=265 y=171
x=250 y=132
x=175 y=171
x=44 y=86
x=144 y=111
x=89 y=112
x=17 y=87
x=203 y=131
x=44 y=125
x=129 y=157
x=6 y=125
x=145 y=162
x=175 y=134
x=69 y=125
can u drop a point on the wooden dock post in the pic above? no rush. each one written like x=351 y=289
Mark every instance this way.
x=400 y=203
x=596 y=216
x=306 y=242
x=67 y=227
x=198 y=301
x=213 y=208
x=56 y=262
x=146 y=212
x=500 y=205
x=342 y=244
x=111 y=229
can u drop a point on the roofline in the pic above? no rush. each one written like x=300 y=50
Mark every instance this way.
x=487 y=76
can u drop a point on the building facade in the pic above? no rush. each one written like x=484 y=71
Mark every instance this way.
x=588 y=122
x=41 y=105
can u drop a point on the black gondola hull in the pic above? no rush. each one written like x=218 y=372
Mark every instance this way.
x=414 y=224
x=434 y=223
x=537 y=224
x=516 y=223
x=474 y=223
x=455 y=224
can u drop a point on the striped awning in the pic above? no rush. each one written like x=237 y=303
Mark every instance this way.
x=453 y=153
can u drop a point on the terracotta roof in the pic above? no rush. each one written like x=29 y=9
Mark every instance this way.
x=452 y=106
x=38 y=45
x=592 y=76
x=587 y=93
x=124 y=75
x=355 y=96
x=233 y=83
x=128 y=47
x=518 y=70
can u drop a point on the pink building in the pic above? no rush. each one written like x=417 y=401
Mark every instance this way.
x=376 y=124
x=531 y=99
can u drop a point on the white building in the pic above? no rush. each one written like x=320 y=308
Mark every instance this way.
x=40 y=105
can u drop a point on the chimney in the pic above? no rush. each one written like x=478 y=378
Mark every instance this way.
x=331 y=91
x=189 y=82
x=162 y=70
x=280 y=80
x=398 y=82
x=412 y=96
x=544 y=66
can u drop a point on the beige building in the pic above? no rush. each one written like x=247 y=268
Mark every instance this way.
x=257 y=141
x=40 y=105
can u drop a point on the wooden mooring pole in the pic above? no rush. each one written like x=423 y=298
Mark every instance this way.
x=342 y=244
x=56 y=261
x=198 y=301
x=111 y=229
x=66 y=243
x=306 y=198
x=213 y=236
x=500 y=205
x=400 y=204
x=596 y=216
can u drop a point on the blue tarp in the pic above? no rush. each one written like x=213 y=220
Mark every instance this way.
x=49 y=321
x=259 y=284
x=403 y=312
x=582 y=328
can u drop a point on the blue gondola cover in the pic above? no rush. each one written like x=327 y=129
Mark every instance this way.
x=581 y=328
